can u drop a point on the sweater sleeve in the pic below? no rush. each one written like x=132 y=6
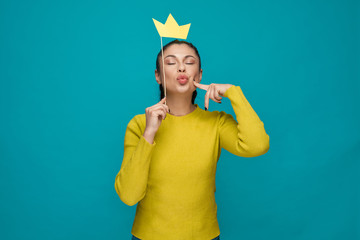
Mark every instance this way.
x=245 y=137
x=131 y=180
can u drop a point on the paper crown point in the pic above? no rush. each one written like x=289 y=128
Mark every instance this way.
x=171 y=29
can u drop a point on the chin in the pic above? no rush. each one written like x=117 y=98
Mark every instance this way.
x=184 y=88
x=181 y=89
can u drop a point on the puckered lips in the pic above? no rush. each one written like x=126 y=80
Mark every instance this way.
x=182 y=78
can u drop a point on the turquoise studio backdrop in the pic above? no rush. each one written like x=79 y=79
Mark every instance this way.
x=73 y=74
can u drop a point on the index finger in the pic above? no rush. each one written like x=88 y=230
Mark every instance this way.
x=202 y=86
x=163 y=100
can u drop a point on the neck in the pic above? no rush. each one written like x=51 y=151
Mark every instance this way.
x=180 y=106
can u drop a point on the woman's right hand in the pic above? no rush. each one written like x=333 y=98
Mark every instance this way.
x=154 y=116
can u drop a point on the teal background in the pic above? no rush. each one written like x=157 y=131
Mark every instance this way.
x=73 y=73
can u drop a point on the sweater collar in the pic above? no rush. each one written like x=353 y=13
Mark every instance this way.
x=193 y=113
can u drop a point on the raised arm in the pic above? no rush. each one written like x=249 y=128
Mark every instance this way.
x=131 y=180
x=245 y=137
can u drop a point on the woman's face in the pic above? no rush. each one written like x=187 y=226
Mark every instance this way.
x=181 y=67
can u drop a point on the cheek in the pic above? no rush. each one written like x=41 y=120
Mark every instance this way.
x=194 y=68
x=171 y=69
x=194 y=71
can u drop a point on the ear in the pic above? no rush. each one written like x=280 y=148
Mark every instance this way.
x=200 y=76
x=157 y=77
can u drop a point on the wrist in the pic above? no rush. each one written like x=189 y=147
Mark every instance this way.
x=149 y=132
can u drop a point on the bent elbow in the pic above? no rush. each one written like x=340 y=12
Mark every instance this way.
x=127 y=201
x=258 y=149
x=266 y=144
x=126 y=197
x=262 y=148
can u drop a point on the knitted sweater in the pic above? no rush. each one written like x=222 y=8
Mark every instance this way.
x=173 y=179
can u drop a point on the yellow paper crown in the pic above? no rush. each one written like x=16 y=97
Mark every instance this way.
x=171 y=29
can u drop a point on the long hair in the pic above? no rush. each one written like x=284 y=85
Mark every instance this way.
x=162 y=94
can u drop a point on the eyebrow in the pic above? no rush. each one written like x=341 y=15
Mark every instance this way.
x=175 y=56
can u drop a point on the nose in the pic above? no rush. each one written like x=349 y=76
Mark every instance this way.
x=181 y=67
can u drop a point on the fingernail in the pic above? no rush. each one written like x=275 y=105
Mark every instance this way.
x=205 y=108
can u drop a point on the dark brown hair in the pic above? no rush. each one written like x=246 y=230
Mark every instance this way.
x=162 y=95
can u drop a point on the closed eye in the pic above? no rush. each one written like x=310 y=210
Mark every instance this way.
x=174 y=63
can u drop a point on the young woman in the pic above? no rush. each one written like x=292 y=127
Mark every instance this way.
x=171 y=151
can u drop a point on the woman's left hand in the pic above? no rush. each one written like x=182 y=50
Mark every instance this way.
x=213 y=91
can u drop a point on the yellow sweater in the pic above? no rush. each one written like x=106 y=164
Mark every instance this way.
x=173 y=179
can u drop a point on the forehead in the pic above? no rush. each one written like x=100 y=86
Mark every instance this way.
x=179 y=50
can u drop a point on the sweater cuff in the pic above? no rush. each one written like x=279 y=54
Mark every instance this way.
x=144 y=141
x=230 y=90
